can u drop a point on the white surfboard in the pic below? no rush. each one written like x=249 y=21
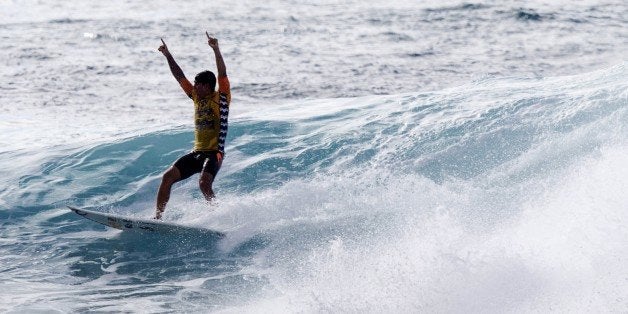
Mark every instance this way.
x=141 y=225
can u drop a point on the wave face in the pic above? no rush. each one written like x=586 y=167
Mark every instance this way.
x=498 y=195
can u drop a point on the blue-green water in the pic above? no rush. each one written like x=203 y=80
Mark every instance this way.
x=398 y=157
x=500 y=194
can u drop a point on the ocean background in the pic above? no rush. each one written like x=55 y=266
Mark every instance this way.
x=382 y=157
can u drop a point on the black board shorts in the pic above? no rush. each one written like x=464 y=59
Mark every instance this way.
x=197 y=161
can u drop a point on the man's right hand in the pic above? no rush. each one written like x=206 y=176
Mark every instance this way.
x=163 y=48
x=211 y=41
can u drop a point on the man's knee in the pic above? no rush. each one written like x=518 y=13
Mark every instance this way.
x=171 y=175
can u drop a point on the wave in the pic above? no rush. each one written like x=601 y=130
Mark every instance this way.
x=501 y=194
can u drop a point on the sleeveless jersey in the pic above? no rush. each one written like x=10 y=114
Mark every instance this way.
x=211 y=115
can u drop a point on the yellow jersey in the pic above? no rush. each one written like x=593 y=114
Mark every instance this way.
x=211 y=118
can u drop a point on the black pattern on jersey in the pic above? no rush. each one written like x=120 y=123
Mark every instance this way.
x=224 y=121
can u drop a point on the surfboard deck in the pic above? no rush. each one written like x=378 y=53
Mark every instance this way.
x=141 y=225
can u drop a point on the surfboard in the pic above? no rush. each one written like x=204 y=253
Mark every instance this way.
x=141 y=225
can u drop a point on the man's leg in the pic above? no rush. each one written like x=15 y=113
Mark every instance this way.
x=205 y=184
x=171 y=176
x=208 y=173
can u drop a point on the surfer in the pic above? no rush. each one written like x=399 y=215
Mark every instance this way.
x=211 y=110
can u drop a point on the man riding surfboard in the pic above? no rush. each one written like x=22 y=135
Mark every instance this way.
x=211 y=112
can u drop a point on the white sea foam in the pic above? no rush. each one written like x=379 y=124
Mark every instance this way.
x=559 y=249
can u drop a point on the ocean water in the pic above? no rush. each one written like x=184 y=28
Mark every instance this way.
x=397 y=157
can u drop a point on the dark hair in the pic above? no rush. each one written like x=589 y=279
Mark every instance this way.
x=206 y=77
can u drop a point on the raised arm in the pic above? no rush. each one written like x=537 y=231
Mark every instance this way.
x=220 y=63
x=176 y=70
